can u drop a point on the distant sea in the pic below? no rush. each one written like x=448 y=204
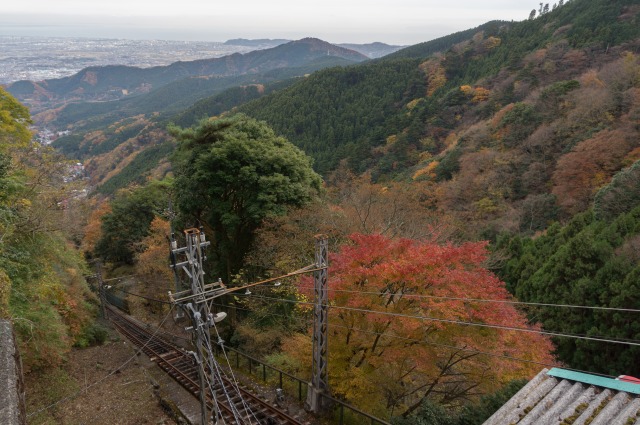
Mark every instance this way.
x=40 y=58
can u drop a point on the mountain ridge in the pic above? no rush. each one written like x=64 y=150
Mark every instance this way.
x=116 y=81
x=413 y=115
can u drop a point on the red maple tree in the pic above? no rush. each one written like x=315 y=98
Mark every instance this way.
x=393 y=340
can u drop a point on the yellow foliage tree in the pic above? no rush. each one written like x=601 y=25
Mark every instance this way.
x=436 y=74
x=492 y=42
x=480 y=94
x=467 y=89
x=428 y=171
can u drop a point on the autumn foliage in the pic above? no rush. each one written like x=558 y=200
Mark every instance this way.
x=582 y=172
x=42 y=288
x=435 y=73
x=93 y=230
x=385 y=359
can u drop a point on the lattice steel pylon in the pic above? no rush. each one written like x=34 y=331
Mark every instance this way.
x=194 y=302
x=319 y=375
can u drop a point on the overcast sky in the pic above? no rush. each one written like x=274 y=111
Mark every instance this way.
x=337 y=21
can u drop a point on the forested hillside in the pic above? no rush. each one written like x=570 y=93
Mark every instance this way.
x=592 y=261
x=497 y=124
x=42 y=274
x=480 y=193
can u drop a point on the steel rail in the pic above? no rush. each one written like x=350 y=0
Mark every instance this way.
x=179 y=364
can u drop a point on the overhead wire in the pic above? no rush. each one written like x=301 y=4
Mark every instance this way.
x=143 y=296
x=94 y=275
x=215 y=372
x=218 y=412
x=492 y=326
x=211 y=386
x=596 y=338
x=512 y=302
x=465 y=299
x=121 y=277
x=419 y=296
x=466 y=323
x=437 y=344
x=549 y=333
x=218 y=374
x=482 y=300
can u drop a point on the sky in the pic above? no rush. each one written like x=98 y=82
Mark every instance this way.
x=401 y=22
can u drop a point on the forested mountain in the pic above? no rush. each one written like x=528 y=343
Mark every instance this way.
x=521 y=134
x=497 y=124
x=426 y=97
x=171 y=98
x=371 y=50
x=492 y=94
x=99 y=128
x=442 y=44
x=110 y=135
x=116 y=82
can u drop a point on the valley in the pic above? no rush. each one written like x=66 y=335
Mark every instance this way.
x=479 y=194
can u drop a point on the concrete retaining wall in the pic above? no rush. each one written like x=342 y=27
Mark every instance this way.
x=12 y=408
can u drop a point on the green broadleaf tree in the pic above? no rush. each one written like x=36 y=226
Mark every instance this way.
x=129 y=221
x=231 y=174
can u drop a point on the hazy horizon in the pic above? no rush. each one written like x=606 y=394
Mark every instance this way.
x=401 y=22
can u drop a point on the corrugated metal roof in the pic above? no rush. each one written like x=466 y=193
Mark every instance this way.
x=598 y=381
x=562 y=397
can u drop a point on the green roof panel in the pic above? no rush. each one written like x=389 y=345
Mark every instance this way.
x=596 y=380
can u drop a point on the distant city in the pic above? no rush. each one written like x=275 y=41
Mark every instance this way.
x=41 y=58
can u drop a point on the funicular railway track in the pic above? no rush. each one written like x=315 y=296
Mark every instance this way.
x=179 y=364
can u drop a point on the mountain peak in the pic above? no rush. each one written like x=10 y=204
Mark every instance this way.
x=316 y=45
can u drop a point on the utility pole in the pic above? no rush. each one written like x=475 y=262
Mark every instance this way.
x=101 y=289
x=319 y=381
x=179 y=314
x=194 y=303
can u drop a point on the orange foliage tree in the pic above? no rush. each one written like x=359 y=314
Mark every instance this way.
x=155 y=277
x=93 y=230
x=153 y=252
x=385 y=359
x=589 y=166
